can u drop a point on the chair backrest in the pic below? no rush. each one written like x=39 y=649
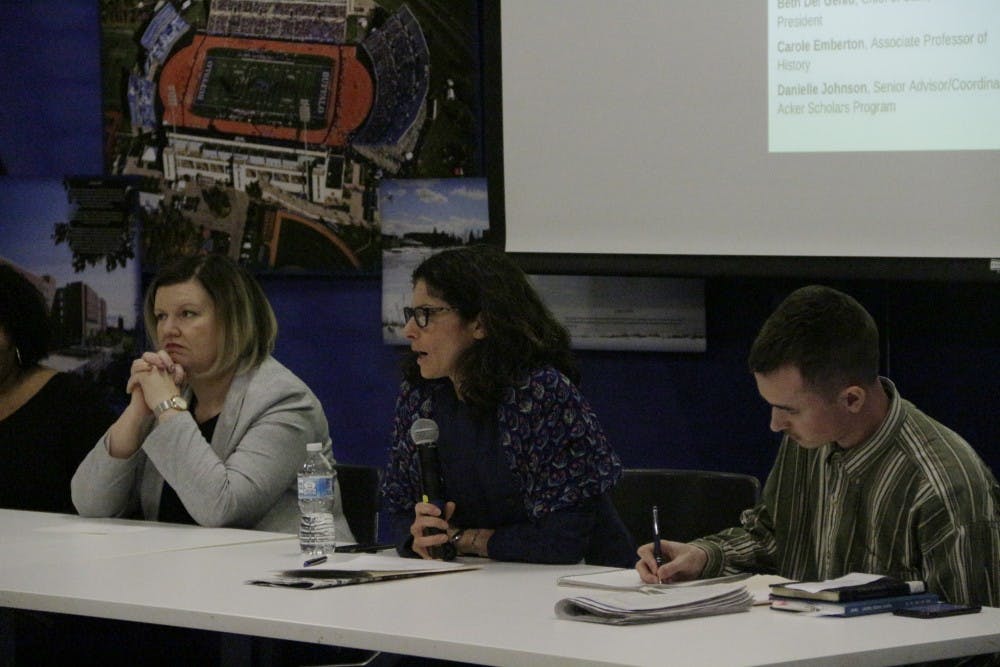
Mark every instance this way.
x=692 y=503
x=359 y=494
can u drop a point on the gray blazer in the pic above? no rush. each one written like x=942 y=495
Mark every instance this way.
x=244 y=478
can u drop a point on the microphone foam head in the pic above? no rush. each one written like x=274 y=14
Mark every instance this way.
x=424 y=431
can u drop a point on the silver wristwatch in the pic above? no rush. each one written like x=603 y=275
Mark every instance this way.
x=172 y=403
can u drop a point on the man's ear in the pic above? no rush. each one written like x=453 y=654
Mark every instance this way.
x=853 y=398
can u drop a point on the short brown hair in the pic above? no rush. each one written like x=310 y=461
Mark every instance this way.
x=249 y=327
x=826 y=334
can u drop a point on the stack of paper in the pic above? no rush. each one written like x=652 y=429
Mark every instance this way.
x=656 y=604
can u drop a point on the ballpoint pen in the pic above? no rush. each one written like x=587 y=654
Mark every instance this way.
x=359 y=548
x=657 y=549
x=314 y=561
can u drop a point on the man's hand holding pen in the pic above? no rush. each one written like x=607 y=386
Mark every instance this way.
x=681 y=562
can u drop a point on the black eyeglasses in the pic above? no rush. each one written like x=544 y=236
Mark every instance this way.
x=421 y=314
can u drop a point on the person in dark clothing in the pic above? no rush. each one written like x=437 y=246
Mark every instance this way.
x=525 y=464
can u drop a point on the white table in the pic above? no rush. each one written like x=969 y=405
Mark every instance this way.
x=501 y=615
x=41 y=538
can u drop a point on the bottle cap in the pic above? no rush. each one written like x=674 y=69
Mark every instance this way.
x=314 y=446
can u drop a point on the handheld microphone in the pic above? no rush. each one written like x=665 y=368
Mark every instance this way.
x=424 y=433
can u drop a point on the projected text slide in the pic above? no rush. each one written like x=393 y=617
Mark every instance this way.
x=883 y=75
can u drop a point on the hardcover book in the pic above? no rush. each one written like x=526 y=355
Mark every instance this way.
x=853 y=608
x=853 y=586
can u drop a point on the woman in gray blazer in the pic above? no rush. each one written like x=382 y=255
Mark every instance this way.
x=216 y=428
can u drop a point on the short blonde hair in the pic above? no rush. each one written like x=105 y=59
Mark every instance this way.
x=247 y=322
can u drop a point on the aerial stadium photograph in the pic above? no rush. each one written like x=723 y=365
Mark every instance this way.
x=262 y=128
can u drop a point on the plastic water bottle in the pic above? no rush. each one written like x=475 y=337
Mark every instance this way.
x=316 y=529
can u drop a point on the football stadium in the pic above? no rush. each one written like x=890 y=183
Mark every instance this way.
x=269 y=98
x=267 y=89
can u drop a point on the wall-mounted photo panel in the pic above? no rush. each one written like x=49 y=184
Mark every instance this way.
x=73 y=239
x=419 y=218
x=628 y=312
x=262 y=129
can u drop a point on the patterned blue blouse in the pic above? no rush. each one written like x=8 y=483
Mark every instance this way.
x=552 y=469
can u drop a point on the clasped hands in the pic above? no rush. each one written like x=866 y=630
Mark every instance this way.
x=154 y=378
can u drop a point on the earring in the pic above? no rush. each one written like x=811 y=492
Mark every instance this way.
x=17 y=353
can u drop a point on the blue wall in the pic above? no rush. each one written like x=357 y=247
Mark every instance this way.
x=941 y=345
x=941 y=340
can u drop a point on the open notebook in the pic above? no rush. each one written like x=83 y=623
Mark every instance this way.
x=758 y=585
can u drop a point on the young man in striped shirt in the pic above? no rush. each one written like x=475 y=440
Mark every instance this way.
x=863 y=481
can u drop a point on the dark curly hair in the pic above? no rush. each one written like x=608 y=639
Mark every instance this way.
x=521 y=332
x=24 y=315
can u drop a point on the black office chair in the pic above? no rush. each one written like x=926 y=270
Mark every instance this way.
x=359 y=494
x=692 y=503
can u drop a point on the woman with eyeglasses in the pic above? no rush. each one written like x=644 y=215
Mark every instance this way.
x=525 y=467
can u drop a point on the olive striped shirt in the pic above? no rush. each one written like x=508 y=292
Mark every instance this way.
x=914 y=501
